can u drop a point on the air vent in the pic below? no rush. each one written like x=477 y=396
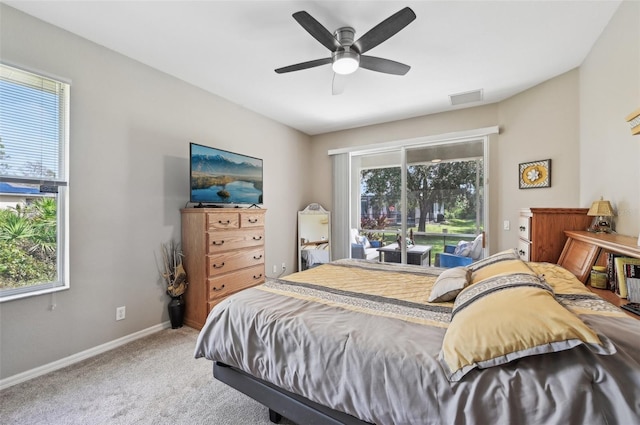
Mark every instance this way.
x=467 y=97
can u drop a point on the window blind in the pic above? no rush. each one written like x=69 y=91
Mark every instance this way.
x=32 y=132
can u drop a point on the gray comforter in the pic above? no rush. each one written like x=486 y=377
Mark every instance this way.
x=326 y=345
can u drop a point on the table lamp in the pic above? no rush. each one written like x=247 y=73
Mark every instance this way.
x=601 y=212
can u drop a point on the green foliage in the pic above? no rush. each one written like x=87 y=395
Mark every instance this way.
x=374 y=223
x=28 y=243
x=15 y=226
x=452 y=184
x=19 y=268
x=437 y=239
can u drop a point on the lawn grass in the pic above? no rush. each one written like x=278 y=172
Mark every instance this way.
x=438 y=234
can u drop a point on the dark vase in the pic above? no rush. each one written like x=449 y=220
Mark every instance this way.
x=176 y=311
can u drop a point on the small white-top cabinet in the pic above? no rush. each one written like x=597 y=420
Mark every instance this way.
x=541 y=231
x=314 y=228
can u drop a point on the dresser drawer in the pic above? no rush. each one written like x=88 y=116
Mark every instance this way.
x=234 y=239
x=524 y=227
x=218 y=264
x=251 y=219
x=524 y=250
x=222 y=286
x=217 y=221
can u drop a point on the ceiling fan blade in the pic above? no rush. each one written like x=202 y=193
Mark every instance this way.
x=316 y=30
x=387 y=66
x=385 y=30
x=338 y=84
x=303 y=65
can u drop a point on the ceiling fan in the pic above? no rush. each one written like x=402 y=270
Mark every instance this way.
x=346 y=55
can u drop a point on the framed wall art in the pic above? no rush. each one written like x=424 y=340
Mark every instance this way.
x=535 y=174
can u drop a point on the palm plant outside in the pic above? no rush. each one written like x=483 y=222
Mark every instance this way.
x=28 y=245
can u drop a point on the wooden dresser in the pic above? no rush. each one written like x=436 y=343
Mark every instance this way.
x=223 y=253
x=541 y=231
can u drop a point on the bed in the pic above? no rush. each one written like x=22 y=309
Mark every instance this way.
x=500 y=341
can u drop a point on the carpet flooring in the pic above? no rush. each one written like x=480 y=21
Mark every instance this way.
x=153 y=380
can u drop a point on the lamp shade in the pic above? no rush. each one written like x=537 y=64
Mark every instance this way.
x=600 y=209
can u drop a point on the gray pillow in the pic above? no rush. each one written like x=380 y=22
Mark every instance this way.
x=449 y=284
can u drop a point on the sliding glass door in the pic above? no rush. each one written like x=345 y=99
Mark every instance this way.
x=409 y=202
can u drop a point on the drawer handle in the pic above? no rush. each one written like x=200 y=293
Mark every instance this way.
x=253 y=220
x=224 y=222
x=257 y=277
x=522 y=228
x=258 y=257
x=257 y=238
x=215 y=266
x=218 y=289
x=218 y=243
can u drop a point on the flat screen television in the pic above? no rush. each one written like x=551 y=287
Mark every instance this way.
x=223 y=177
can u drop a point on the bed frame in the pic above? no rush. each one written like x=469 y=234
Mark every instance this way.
x=282 y=403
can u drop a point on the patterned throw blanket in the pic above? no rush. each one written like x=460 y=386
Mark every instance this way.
x=388 y=290
x=401 y=292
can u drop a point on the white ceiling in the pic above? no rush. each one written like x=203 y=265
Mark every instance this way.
x=231 y=48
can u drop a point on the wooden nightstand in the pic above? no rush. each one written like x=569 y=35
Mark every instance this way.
x=541 y=231
x=583 y=250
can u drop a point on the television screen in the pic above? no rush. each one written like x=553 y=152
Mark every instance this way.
x=222 y=177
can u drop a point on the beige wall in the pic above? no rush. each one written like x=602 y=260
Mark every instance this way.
x=539 y=123
x=129 y=139
x=609 y=91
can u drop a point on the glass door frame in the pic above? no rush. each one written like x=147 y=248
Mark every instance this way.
x=402 y=149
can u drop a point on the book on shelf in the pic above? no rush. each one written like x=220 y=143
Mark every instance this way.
x=633 y=284
x=611 y=272
x=632 y=270
x=632 y=275
x=620 y=264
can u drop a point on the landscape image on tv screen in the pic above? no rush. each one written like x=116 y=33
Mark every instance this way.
x=219 y=176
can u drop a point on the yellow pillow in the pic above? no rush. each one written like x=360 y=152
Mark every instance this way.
x=499 y=319
x=505 y=266
x=509 y=254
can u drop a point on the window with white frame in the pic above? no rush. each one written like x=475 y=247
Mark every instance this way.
x=34 y=126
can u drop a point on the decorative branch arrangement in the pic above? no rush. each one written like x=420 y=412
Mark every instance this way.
x=172 y=270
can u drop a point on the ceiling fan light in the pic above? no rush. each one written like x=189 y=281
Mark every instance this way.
x=345 y=62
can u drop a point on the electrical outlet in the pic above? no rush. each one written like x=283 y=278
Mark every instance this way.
x=275 y=268
x=284 y=266
x=121 y=313
x=506 y=225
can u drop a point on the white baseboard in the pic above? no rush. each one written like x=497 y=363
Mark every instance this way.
x=75 y=358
